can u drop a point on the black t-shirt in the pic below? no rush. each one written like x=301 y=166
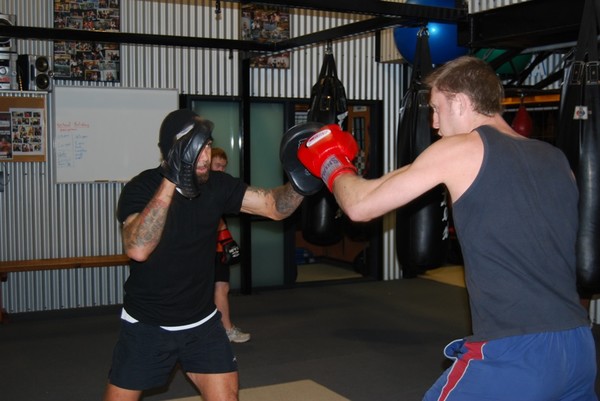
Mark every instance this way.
x=174 y=286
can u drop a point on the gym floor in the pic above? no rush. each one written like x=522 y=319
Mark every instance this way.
x=366 y=341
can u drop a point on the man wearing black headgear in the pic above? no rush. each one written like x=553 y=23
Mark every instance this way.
x=169 y=219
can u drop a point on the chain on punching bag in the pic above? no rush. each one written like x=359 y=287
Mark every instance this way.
x=422 y=225
x=321 y=224
x=579 y=137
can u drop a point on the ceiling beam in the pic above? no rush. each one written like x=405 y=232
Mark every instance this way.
x=379 y=8
x=344 y=31
x=529 y=24
x=386 y=14
x=323 y=36
x=77 y=35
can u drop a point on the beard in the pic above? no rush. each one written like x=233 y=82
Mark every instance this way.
x=202 y=178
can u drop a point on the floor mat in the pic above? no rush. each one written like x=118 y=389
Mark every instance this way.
x=322 y=271
x=303 y=390
x=453 y=275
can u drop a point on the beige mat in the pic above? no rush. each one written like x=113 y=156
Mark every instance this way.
x=453 y=275
x=303 y=390
x=321 y=271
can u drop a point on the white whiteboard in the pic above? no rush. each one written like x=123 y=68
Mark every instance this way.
x=107 y=133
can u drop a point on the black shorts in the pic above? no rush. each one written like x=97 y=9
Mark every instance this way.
x=145 y=355
x=221 y=270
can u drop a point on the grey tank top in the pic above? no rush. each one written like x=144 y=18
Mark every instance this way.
x=517 y=226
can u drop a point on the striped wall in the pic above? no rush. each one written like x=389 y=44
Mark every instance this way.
x=39 y=219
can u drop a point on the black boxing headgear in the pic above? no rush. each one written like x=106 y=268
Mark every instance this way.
x=174 y=123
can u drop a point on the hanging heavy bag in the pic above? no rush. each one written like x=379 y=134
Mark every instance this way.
x=421 y=225
x=328 y=102
x=320 y=212
x=579 y=138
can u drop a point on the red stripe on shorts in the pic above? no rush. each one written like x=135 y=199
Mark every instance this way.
x=458 y=370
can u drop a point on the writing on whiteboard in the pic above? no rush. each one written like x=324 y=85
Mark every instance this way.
x=66 y=126
x=71 y=142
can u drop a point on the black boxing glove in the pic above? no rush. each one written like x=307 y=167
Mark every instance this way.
x=301 y=179
x=231 y=251
x=180 y=165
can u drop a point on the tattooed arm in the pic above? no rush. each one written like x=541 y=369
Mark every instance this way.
x=276 y=203
x=142 y=231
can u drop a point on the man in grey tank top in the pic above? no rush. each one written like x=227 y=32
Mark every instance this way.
x=514 y=204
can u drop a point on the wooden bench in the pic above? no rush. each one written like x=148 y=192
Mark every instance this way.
x=14 y=266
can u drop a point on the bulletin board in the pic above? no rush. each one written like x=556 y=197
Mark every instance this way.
x=106 y=134
x=23 y=135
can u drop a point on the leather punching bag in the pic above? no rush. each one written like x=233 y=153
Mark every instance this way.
x=579 y=137
x=422 y=225
x=321 y=224
x=522 y=123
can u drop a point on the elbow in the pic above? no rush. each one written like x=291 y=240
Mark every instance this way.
x=137 y=254
x=278 y=216
x=357 y=214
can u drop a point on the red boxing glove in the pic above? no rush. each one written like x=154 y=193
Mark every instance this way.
x=328 y=153
x=229 y=248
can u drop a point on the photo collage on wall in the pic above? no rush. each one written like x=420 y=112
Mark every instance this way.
x=21 y=133
x=266 y=24
x=87 y=61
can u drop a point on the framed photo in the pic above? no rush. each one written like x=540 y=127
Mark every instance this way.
x=266 y=24
x=87 y=61
x=23 y=129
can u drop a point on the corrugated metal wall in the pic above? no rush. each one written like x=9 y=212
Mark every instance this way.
x=39 y=219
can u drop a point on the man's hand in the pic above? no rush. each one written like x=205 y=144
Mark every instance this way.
x=329 y=153
x=180 y=165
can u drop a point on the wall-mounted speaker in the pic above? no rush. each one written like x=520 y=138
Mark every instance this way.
x=8 y=71
x=7 y=44
x=34 y=73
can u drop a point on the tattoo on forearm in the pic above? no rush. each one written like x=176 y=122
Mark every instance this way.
x=287 y=200
x=149 y=230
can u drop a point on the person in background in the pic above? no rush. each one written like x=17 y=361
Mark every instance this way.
x=228 y=253
x=169 y=218
x=514 y=202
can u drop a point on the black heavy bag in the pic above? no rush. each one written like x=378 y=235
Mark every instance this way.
x=320 y=213
x=422 y=225
x=579 y=138
x=328 y=102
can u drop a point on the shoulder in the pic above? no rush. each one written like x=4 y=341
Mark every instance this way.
x=222 y=180
x=456 y=148
x=137 y=193
x=149 y=179
x=455 y=161
x=226 y=187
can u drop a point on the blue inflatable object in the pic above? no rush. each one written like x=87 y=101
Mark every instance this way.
x=442 y=37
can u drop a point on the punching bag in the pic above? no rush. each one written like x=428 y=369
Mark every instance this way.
x=321 y=223
x=522 y=123
x=579 y=137
x=422 y=225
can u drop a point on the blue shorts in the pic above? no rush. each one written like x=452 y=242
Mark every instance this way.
x=537 y=367
x=145 y=355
